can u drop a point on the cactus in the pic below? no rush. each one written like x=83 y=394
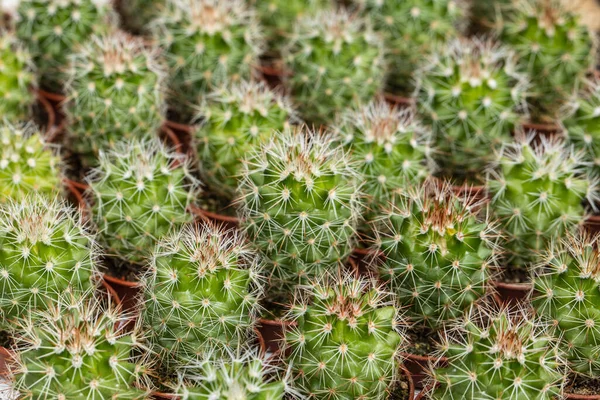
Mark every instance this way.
x=300 y=204
x=554 y=48
x=336 y=59
x=45 y=250
x=115 y=92
x=473 y=95
x=537 y=194
x=440 y=251
x=412 y=30
x=27 y=165
x=390 y=148
x=80 y=349
x=500 y=354
x=140 y=191
x=347 y=340
x=567 y=292
x=201 y=292
x=236 y=121
x=16 y=78
x=207 y=43
x=53 y=29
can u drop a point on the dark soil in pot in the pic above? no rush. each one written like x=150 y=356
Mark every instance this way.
x=422 y=341
x=582 y=386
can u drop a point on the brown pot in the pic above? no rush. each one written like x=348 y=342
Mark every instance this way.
x=180 y=136
x=76 y=190
x=398 y=101
x=51 y=103
x=592 y=224
x=6 y=357
x=226 y=220
x=273 y=74
x=572 y=396
x=273 y=333
x=418 y=366
x=544 y=130
x=512 y=293
x=478 y=192
x=409 y=380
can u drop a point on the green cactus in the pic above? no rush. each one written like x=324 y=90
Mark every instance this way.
x=473 y=95
x=500 y=354
x=28 y=165
x=201 y=292
x=45 y=250
x=115 y=92
x=412 y=30
x=207 y=43
x=552 y=45
x=79 y=349
x=567 y=292
x=347 y=341
x=537 y=193
x=236 y=121
x=53 y=29
x=17 y=79
x=140 y=191
x=336 y=59
x=440 y=251
x=300 y=204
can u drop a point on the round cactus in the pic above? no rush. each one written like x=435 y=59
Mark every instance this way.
x=28 y=166
x=201 y=292
x=140 y=191
x=346 y=343
x=45 y=250
x=300 y=204
x=80 y=349
x=53 y=29
x=236 y=121
x=567 y=292
x=207 y=43
x=336 y=59
x=440 y=251
x=16 y=78
x=537 y=194
x=473 y=95
x=500 y=354
x=114 y=92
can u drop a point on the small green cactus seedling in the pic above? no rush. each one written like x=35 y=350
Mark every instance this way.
x=567 y=291
x=28 y=166
x=440 y=251
x=140 y=191
x=472 y=93
x=207 y=43
x=79 y=349
x=300 y=204
x=201 y=292
x=336 y=60
x=346 y=343
x=552 y=45
x=45 y=250
x=53 y=29
x=236 y=121
x=115 y=92
x=537 y=194
x=500 y=354
x=17 y=79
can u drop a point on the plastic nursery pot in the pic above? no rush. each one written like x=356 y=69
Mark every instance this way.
x=398 y=101
x=273 y=74
x=179 y=136
x=572 y=396
x=418 y=366
x=409 y=381
x=6 y=357
x=511 y=293
x=76 y=190
x=224 y=220
x=55 y=121
x=273 y=333
x=128 y=292
x=592 y=224
x=541 y=130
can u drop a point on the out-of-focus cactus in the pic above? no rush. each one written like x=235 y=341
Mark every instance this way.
x=17 y=79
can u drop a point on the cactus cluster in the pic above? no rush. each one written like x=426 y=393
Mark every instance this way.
x=115 y=92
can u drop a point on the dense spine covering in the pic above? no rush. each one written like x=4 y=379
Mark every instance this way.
x=567 y=292
x=440 y=251
x=140 y=192
x=538 y=190
x=53 y=29
x=201 y=292
x=473 y=95
x=236 y=120
x=80 y=349
x=17 y=79
x=336 y=59
x=347 y=339
x=300 y=204
x=500 y=354
x=207 y=43
x=115 y=92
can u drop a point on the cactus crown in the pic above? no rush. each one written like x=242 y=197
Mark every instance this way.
x=16 y=78
x=237 y=119
x=500 y=354
x=115 y=92
x=202 y=291
x=567 y=291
